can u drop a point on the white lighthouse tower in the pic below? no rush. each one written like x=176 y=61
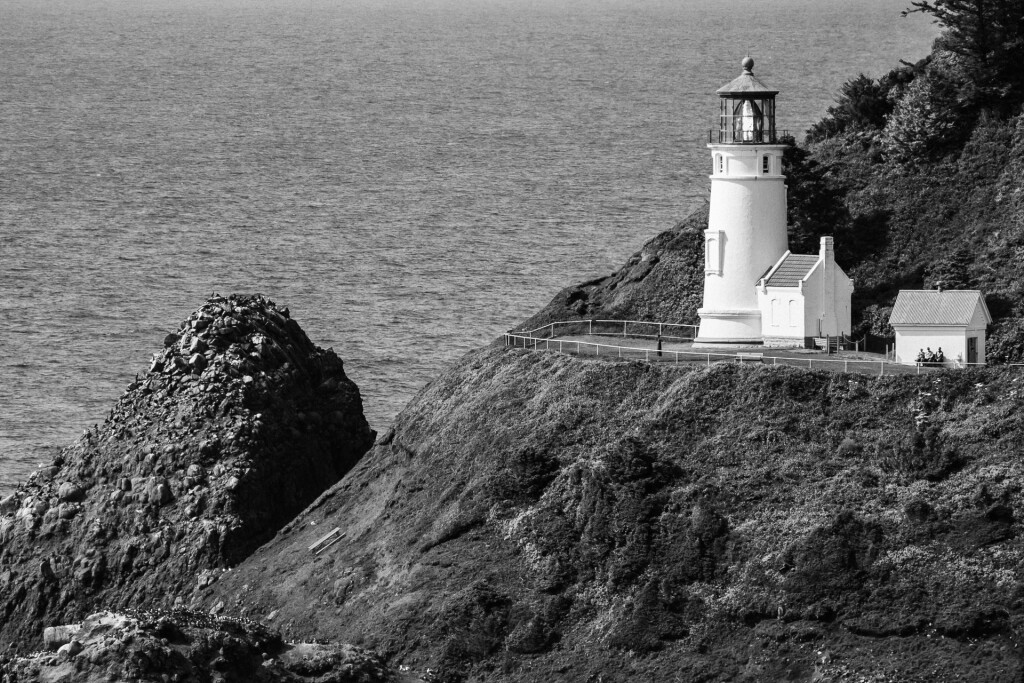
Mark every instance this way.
x=746 y=232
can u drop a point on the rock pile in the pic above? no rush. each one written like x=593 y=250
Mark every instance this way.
x=239 y=424
x=188 y=646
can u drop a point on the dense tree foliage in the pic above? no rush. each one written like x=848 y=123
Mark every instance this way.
x=988 y=37
x=862 y=103
x=815 y=206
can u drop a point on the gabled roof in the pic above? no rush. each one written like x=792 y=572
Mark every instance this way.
x=791 y=270
x=934 y=307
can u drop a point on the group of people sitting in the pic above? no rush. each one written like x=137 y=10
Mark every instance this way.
x=929 y=356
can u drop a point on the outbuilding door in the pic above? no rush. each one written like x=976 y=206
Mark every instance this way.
x=972 y=349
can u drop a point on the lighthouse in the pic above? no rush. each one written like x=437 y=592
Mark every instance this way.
x=746 y=234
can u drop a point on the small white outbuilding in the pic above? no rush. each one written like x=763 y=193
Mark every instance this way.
x=804 y=296
x=951 y=320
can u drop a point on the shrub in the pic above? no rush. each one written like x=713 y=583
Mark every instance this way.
x=862 y=103
x=925 y=120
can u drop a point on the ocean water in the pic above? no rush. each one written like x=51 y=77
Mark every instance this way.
x=410 y=177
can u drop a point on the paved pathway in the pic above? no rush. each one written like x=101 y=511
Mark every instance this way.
x=645 y=348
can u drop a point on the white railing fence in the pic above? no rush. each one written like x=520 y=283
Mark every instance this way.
x=613 y=328
x=580 y=347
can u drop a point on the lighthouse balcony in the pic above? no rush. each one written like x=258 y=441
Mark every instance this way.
x=731 y=136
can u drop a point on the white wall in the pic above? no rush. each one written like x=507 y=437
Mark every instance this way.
x=782 y=312
x=839 y=319
x=952 y=340
x=746 y=235
x=810 y=304
x=843 y=302
x=813 y=295
x=977 y=329
x=828 y=302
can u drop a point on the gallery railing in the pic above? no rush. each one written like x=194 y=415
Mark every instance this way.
x=729 y=136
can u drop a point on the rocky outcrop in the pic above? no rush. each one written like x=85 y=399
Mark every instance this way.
x=538 y=517
x=239 y=423
x=189 y=647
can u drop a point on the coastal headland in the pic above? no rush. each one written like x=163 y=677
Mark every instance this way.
x=541 y=516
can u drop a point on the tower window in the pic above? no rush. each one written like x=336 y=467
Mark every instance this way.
x=765 y=165
x=721 y=163
x=712 y=252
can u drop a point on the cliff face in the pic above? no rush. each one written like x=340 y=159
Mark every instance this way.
x=239 y=424
x=535 y=516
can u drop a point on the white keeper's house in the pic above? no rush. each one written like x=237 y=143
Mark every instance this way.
x=952 y=320
x=755 y=291
x=804 y=296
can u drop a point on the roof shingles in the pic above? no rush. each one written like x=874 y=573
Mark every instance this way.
x=934 y=307
x=792 y=270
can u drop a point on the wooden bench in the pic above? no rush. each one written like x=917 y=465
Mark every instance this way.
x=742 y=356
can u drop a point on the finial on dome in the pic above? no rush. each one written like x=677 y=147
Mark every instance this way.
x=748 y=64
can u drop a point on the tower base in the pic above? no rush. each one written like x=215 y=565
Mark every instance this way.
x=728 y=328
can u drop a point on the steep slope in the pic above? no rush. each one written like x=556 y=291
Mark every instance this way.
x=536 y=516
x=240 y=423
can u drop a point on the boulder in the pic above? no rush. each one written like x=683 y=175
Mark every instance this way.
x=57 y=636
x=181 y=645
x=70 y=492
x=128 y=516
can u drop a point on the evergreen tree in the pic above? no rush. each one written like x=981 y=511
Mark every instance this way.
x=814 y=206
x=955 y=271
x=989 y=36
x=862 y=103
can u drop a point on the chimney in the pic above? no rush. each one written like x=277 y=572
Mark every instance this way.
x=827 y=253
x=938 y=286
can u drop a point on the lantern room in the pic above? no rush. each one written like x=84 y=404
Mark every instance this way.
x=748 y=111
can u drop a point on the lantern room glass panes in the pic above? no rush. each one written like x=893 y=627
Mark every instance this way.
x=747 y=120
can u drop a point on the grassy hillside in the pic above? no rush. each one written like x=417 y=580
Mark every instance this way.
x=535 y=516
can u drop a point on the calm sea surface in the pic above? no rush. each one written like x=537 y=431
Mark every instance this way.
x=410 y=177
